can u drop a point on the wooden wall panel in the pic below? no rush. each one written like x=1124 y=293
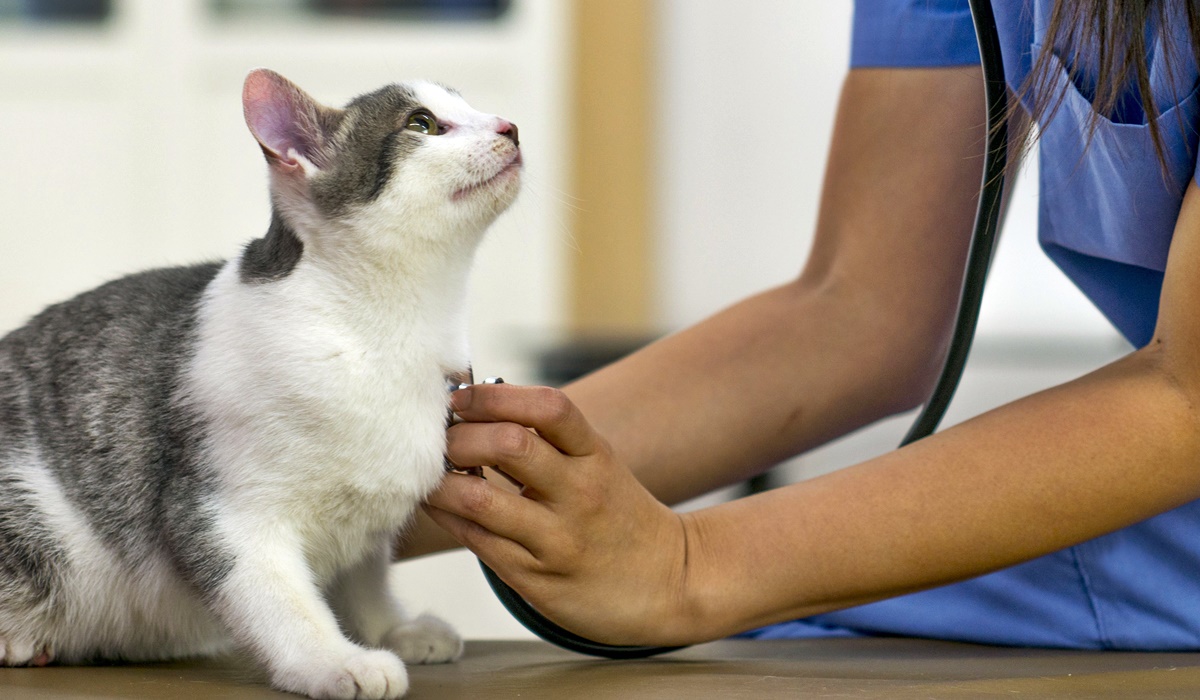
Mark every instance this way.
x=611 y=285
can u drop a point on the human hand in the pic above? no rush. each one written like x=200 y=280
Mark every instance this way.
x=582 y=541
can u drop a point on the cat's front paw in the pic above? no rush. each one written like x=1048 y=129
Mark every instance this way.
x=425 y=640
x=18 y=653
x=361 y=675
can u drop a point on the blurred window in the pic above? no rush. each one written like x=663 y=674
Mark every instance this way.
x=55 y=11
x=402 y=10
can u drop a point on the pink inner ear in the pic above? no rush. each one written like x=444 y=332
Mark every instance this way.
x=275 y=112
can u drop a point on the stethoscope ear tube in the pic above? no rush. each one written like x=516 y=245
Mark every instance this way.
x=987 y=221
x=983 y=241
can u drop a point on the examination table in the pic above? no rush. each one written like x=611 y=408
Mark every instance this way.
x=828 y=668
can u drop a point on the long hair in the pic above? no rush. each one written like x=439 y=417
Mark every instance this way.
x=1115 y=33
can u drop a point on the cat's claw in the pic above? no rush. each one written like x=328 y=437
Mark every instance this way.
x=24 y=653
x=425 y=640
x=362 y=675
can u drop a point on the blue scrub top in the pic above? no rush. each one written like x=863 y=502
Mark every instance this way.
x=1107 y=214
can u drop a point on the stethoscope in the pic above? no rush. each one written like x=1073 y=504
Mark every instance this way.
x=987 y=219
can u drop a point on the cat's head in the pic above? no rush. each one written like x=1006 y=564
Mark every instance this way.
x=411 y=159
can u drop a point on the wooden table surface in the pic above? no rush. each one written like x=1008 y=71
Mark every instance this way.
x=833 y=668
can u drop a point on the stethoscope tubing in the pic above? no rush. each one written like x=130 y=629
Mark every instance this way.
x=987 y=222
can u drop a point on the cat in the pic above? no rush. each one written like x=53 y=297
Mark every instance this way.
x=218 y=456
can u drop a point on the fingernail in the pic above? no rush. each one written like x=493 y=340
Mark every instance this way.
x=460 y=400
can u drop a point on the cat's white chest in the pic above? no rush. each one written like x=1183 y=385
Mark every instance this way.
x=385 y=422
x=318 y=420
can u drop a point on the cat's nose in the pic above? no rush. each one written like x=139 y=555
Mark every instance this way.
x=509 y=130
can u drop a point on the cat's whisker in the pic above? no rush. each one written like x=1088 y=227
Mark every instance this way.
x=561 y=215
x=559 y=196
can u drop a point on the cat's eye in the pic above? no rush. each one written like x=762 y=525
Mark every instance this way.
x=422 y=123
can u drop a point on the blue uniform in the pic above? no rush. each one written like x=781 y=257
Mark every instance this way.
x=1107 y=214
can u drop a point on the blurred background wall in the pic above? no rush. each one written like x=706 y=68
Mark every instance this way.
x=674 y=153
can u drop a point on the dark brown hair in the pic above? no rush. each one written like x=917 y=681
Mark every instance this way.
x=1114 y=31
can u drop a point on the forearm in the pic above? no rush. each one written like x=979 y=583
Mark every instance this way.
x=1066 y=465
x=775 y=375
x=858 y=336
x=1043 y=473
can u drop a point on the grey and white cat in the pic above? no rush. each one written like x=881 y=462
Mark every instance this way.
x=200 y=458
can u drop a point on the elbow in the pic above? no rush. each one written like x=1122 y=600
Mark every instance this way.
x=895 y=344
x=909 y=376
x=906 y=351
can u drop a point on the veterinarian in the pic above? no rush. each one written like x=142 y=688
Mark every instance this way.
x=1066 y=519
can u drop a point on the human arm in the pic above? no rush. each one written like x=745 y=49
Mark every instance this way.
x=1074 y=462
x=1057 y=468
x=858 y=336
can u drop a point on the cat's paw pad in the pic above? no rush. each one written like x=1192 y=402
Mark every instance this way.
x=18 y=653
x=361 y=675
x=425 y=640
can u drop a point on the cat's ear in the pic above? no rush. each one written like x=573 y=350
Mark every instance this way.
x=293 y=129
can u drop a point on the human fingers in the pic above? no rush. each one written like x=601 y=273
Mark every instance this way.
x=546 y=410
x=519 y=454
x=492 y=508
x=482 y=542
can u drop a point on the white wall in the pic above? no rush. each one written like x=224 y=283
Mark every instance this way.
x=747 y=92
